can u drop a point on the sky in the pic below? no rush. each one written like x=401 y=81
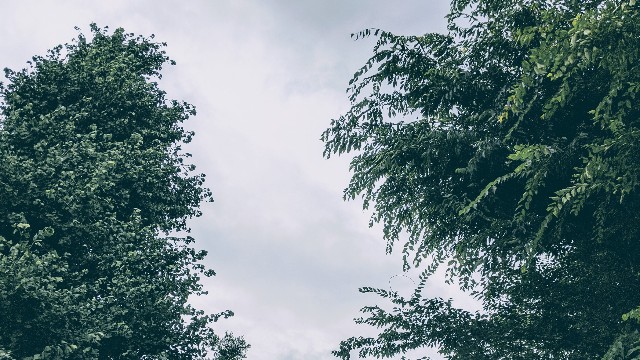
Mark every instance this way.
x=267 y=77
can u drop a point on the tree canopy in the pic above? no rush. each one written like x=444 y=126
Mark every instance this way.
x=505 y=150
x=96 y=192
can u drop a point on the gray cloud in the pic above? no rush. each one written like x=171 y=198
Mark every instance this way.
x=266 y=77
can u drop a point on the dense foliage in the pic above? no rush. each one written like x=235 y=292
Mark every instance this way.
x=95 y=188
x=508 y=151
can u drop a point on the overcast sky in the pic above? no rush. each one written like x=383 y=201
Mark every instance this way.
x=266 y=76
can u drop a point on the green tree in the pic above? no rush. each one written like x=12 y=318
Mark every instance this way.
x=506 y=150
x=231 y=348
x=95 y=189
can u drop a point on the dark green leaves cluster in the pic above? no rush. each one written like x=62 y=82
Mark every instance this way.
x=507 y=151
x=94 y=188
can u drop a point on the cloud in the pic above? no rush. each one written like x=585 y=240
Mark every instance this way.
x=266 y=77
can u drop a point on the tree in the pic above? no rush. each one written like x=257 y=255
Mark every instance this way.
x=507 y=151
x=231 y=348
x=96 y=191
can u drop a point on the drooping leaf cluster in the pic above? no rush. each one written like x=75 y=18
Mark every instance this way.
x=505 y=150
x=94 y=187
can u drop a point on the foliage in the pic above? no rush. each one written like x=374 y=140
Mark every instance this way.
x=231 y=348
x=95 y=188
x=506 y=150
x=627 y=346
